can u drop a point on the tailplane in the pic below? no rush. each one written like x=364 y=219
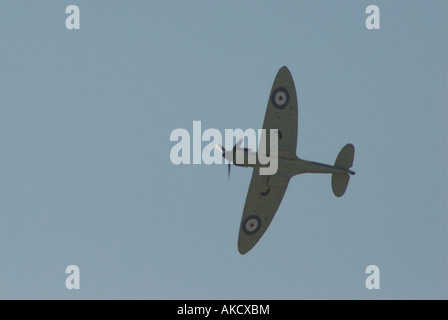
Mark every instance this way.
x=339 y=181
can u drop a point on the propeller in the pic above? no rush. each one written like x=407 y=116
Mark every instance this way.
x=229 y=154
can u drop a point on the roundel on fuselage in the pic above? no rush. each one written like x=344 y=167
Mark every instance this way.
x=280 y=98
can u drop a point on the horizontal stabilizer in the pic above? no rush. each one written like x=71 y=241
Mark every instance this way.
x=345 y=157
x=339 y=181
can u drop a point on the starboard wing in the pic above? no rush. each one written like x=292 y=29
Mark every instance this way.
x=263 y=199
x=282 y=114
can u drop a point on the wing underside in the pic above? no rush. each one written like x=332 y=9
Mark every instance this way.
x=263 y=199
x=282 y=114
x=266 y=192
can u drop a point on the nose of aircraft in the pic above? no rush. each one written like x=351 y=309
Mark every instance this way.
x=226 y=155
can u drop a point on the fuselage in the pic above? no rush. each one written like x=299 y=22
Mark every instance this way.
x=286 y=166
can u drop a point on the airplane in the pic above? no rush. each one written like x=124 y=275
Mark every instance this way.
x=266 y=191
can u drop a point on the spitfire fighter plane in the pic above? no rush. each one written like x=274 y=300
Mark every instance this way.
x=266 y=191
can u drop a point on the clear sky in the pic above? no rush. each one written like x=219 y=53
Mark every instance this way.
x=85 y=171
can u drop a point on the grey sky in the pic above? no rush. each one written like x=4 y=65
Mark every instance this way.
x=86 y=177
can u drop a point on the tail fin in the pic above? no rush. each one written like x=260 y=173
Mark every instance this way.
x=339 y=181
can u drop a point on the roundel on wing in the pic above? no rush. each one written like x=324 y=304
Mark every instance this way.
x=251 y=225
x=280 y=98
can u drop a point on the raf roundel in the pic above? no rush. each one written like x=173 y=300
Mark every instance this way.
x=280 y=98
x=251 y=225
